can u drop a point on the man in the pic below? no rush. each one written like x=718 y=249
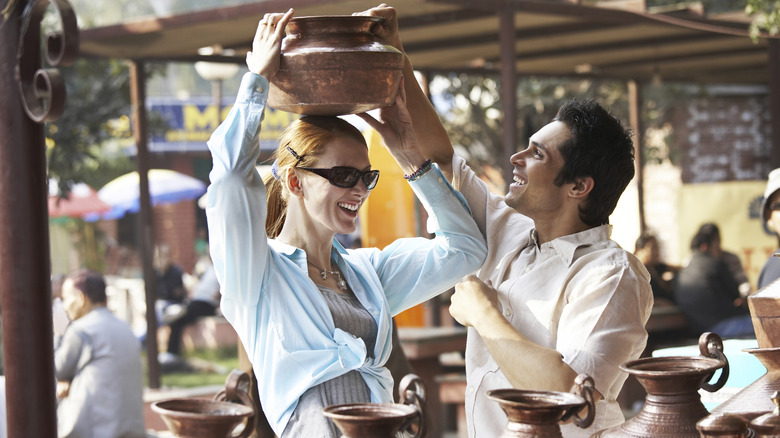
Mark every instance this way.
x=707 y=292
x=770 y=213
x=97 y=364
x=567 y=300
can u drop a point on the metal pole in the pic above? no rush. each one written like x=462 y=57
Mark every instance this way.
x=508 y=91
x=634 y=99
x=773 y=49
x=24 y=251
x=138 y=99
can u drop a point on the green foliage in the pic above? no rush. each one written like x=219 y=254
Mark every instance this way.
x=765 y=17
x=97 y=112
x=86 y=144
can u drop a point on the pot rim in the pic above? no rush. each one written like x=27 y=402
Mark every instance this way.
x=705 y=365
x=352 y=411
x=238 y=410
x=562 y=400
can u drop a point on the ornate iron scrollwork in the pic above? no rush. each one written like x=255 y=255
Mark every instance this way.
x=43 y=89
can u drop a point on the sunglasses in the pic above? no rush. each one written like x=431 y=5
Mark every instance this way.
x=346 y=177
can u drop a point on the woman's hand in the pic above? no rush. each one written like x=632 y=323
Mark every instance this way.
x=387 y=31
x=395 y=127
x=265 y=55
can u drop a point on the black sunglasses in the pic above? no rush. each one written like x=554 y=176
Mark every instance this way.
x=346 y=177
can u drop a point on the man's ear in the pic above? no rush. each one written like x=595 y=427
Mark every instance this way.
x=581 y=188
x=293 y=183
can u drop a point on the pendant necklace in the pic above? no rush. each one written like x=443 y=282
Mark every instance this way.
x=324 y=275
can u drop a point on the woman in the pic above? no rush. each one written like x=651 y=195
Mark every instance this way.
x=314 y=318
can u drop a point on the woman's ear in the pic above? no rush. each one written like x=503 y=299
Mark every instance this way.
x=293 y=183
x=581 y=188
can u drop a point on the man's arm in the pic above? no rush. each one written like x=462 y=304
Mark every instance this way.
x=431 y=136
x=525 y=364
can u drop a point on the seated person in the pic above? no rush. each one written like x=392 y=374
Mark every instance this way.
x=97 y=362
x=770 y=213
x=707 y=292
x=204 y=302
x=648 y=251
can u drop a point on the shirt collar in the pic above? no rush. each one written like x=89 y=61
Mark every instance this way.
x=566 y=246
x=296 y=254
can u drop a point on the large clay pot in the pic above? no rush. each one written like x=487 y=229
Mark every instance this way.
x=538 y=414
x=384 y=420
x=217 y=418
x=333 y=65
x=673 y=405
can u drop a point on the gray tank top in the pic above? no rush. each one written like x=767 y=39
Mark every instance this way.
x=308 y=420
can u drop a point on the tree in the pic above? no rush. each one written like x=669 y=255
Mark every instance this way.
x=766 y=17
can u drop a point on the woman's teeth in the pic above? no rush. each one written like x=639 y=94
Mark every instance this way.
x=352 y=207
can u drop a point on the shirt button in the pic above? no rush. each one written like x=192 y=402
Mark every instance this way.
x=375 y=312
x=260 y=89
x=528 y=269
x=470 y=390
x=507 y=313
x=440 y=180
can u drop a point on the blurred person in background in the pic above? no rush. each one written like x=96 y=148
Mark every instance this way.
x=97 y=363
x=707 y=292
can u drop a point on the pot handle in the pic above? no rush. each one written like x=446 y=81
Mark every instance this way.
x=711 y=345
x=583 y=386
x=237 y=387
x=414 y=396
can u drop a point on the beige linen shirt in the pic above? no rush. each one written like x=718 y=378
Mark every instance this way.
x=581 y=294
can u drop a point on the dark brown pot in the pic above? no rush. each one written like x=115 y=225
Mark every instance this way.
x=538 y=414
x=722 y=426
x=384 y=420
x=333 y=65
x=218 y=418
x=673 y=405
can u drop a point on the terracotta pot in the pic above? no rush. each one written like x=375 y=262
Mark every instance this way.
x=218 y=418
x=384 y=420
x=333 y=65
x=537 y=414
x=673 y=405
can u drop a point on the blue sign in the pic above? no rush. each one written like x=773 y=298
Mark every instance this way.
x=191 y=122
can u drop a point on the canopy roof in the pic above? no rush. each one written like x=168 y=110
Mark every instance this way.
x=556 y=38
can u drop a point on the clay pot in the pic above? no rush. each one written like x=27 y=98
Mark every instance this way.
x=722 y=426
x=673 y=405
x=539 y=413
x=334 y=65
x=384 y=420
x=768 y=425
x=217 y=418
x=756 y=398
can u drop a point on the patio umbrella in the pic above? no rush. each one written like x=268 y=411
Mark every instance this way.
x=165 y=187
x=82 y=201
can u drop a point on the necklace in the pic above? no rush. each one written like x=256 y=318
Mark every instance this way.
x=324 y=275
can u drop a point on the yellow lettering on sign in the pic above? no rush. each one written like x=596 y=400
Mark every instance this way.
x=195 y=120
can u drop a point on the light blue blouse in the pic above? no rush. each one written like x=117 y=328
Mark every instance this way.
x=278 y=312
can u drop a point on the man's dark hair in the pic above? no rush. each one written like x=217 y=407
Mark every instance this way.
x=706 y=235
x=91 y=283
x=598 y=147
